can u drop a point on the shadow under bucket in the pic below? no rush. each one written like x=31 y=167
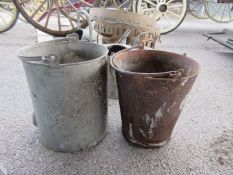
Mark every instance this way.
x=67 y=79
x=152 y=86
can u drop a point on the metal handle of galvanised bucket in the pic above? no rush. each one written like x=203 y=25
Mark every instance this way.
x=53 y=60
x=177 y=74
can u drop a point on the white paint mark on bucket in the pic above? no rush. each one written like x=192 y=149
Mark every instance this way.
x=143 y=133
x=184 y=82
x=159 y=112
x=131 y=131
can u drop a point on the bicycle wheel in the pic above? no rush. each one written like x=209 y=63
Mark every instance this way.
x=219 y=10
x=55 y=17
x=169 y=14
x=8 y=15
x=197 y=9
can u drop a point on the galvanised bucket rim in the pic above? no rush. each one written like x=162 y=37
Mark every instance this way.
x=35 y=59
x=151 y=74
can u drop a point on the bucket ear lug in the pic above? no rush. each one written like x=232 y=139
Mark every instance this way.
x=175 y=82
x=53 y=60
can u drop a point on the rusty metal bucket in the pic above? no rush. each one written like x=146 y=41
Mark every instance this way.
x=152 y=86
x=67 y=79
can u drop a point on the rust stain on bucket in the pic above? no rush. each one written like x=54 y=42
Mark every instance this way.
x=152 y=86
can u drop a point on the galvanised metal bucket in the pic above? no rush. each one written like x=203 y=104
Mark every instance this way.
x=67 y=79
x=112 y=86
x=153 y=86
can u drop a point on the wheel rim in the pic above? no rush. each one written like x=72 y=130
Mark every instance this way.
x=56 y=17
x=8 y=15
x=219 y=11
x=197 y=9
x=168 y=13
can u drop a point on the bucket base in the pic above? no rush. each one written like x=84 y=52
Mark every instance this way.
x=75 y=151
x=147 y=146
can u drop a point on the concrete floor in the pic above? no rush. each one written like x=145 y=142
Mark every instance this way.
x=202 y=141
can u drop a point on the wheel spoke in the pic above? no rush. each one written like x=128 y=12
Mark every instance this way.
x=223 y=12
x=168 y=2
x=202 y=11
x=49 y=14
x=25 y=1
x=38 y=9
x=194 y=7
x=175 y=6
x=199 y=8
x=4 y=21
x=86 y=3
x=114 y=3
x=68 y=16
x=172 y=13
x=121 y=5
x=216 y=10
x=151 y=3
x=167 y=18
x=161 y=23
x=212 y=6
x=72 y=6
x=58 y=15
x=105 y=3
x=229 y=10
x=148 y=10
x=7 y=12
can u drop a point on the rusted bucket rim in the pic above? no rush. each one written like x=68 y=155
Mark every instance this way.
x=36 y=59
x=150 y=74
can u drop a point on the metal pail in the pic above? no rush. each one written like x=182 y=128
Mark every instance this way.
x=112 y=86
x=152 y=87
x=67 y=79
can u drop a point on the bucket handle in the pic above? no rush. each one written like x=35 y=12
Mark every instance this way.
x=176 y=74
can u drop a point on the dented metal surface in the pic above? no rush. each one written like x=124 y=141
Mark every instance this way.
x=153 y=86
x=68 y=91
